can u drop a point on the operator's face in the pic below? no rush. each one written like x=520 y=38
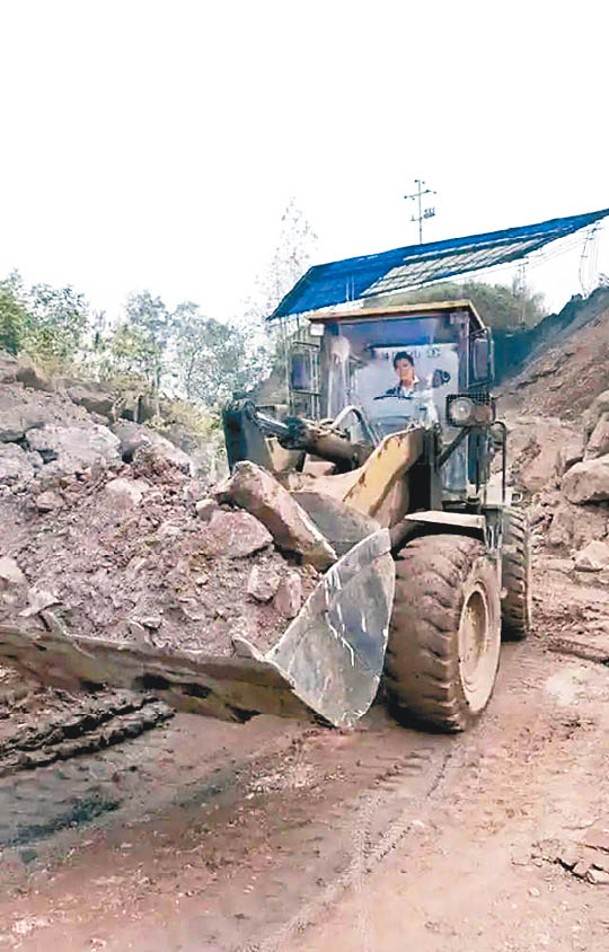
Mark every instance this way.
x=405 y=372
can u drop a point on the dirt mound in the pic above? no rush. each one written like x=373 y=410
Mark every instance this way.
x=127 y=558
x=563 y=379
x=107 y=534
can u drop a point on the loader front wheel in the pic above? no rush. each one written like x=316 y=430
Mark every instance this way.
x=445 y=633
x=516 y=607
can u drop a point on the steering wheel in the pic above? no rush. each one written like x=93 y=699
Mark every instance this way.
x=393 y=396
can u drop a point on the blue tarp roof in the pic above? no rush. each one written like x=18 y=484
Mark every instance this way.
x=415 y=265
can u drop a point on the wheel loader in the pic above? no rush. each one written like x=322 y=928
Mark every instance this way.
x=390 y=449
x=424 y=471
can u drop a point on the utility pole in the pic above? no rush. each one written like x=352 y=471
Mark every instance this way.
x=423 y=212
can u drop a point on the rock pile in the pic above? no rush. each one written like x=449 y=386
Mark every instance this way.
x=557 y=409
x=565 y=472
x=107 y=532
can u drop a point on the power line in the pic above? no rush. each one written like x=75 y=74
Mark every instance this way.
x=424 y=213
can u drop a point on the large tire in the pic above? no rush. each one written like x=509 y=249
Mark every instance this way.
x=445 y=633
x=516 y=576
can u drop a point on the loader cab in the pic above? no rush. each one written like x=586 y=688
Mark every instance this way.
x=449 y=345
x=451 y=352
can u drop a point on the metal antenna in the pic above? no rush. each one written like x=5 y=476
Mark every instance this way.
x=423 y=212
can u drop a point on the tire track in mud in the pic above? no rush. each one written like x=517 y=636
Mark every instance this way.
x=268 y=837
x=91 y=725
x=467 y=780
x=49 y=778
x=380 y=818
x=304 y=808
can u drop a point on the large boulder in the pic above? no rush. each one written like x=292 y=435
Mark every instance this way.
x=23 y=409
x=571 y=453
x=13 y=588
x=31 y=375
x=208 y=454
x=93 y=397
x=10 y=573
x=588 y=481
x=233 y=534
x=573 y=527
x=538 y=449
x=263 y=583
x=16 y=466
x=594 y=412
x=257 y=491
x=73 y=449
x=134 y=437
x=124 y=494
x=135 y=406
x=598 y=444
x=594 y=558
x=16 y=419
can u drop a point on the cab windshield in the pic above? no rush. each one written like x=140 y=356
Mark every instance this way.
x=397 y=370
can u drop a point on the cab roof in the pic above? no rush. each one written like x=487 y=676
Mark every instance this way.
x=394 y=311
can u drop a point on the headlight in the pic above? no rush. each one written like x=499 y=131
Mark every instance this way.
x=462 y=411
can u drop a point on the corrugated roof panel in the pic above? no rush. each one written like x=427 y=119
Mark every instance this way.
x=416 y=265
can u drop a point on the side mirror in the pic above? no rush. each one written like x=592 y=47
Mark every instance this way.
x=481 y=359
x=439 y=378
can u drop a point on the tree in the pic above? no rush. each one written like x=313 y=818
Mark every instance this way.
x=47 y=322
x=292 y=257
x=212 y=359
x=58 y=320
x=13 y=316
x=137 y=346
x=500 y=306
x=150 y=326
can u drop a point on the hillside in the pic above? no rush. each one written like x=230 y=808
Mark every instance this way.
x=560 y=366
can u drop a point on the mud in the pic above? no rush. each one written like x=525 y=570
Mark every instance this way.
x=68 y=727
x=275 y=836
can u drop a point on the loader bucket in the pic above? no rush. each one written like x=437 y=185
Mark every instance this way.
x=327 y=663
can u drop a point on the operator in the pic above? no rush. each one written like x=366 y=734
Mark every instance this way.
x=408 y=382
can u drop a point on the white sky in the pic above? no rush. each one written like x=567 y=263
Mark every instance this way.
x=155 y=144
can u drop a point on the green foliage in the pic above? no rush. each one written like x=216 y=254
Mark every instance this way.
x=150 y=325
x=133 y=352
x=178 y=414
x=129 y=353
x=58 y=320
x=500 y=306
x=212 y=359
x=267 y=348
x=13 y=317
x=49 y=323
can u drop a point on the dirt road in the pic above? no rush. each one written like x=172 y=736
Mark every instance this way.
x=199 y=835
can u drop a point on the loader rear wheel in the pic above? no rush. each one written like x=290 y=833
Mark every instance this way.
x=445 y=632
x=516 y=576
